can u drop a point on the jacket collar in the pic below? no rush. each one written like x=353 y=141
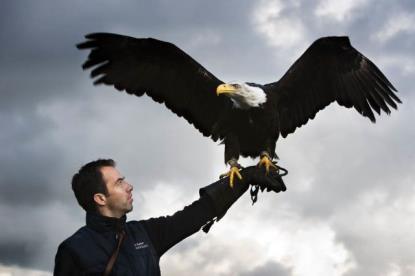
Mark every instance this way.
x=104 y=224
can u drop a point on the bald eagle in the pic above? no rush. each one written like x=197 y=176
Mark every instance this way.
x=247 y=117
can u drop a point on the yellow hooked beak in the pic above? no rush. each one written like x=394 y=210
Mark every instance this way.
x=225 y=89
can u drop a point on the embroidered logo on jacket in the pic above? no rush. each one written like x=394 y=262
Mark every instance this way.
x=140 y=245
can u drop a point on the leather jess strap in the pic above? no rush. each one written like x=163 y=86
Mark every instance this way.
x=114 y=255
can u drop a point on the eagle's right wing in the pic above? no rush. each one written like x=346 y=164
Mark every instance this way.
x=162 y=71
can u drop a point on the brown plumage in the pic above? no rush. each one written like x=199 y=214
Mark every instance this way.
x=329 y=70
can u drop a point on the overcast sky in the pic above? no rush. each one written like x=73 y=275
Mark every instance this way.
x=350 y=205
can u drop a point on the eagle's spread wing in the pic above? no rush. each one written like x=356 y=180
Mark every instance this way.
x=330 y=70
x=159 y=69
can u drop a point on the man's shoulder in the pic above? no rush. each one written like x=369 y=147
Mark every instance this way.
x=75 y=239
x=135 y=224
x=143 y=223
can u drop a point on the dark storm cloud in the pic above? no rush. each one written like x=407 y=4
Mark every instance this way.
x=30 y=234
x=19 y=250
x=25 y=164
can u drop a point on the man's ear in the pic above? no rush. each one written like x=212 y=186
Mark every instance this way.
x=100 y=199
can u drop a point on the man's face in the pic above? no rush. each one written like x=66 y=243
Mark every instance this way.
x=120 y=198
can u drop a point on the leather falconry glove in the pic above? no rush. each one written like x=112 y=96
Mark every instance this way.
x=223 y=196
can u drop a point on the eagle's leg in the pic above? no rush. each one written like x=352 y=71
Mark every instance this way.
x=234 y=170
x=232 y=152
x=266 y=161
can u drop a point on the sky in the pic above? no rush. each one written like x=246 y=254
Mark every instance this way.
x=350 y=205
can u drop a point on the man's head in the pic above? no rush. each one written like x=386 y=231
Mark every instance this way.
x=98 y=186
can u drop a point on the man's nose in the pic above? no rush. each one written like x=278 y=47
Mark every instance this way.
x=130 y=187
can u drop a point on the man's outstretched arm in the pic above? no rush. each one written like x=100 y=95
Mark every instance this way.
x=214 y=202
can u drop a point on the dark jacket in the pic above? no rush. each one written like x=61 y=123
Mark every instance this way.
x=88 y=250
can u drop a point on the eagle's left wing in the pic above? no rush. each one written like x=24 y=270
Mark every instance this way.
x=330 y=70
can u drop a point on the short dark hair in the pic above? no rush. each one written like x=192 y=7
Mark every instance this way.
x=89 y=181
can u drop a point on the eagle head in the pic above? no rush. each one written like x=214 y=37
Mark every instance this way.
x=243 y=95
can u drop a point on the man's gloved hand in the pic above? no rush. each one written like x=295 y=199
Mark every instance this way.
x=223 y=196
x=257 y=176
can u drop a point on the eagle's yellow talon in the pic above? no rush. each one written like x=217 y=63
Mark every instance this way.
x=232 y=172
x=239 y=175
x=266 y=161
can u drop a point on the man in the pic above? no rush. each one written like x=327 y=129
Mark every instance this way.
x=108 y=245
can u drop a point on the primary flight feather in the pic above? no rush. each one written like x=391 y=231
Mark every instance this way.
x=247 y=117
